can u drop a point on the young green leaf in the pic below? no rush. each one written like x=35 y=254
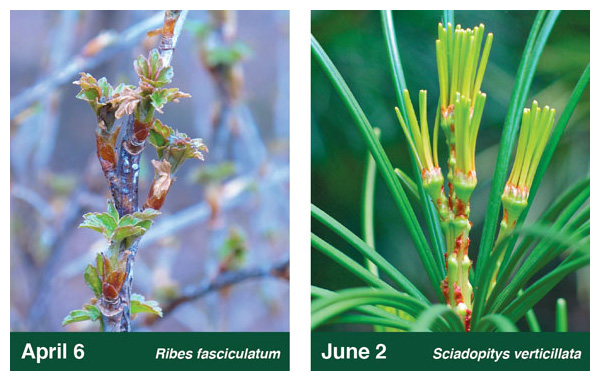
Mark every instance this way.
x=93 y=280
x=123 y=232
x=126 y=102
x=161 y=97
x=90 y=90
x=103 y=223
x=100 y=264
x=112 y=210
x=146 y=214
x=152 y=71
x=139 y=304
x=88 y=313
x=174 y=146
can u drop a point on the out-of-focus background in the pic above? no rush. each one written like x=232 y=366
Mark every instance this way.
x=354 y=41
x=225 y=217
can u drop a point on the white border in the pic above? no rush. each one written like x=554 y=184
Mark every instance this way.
x=300 y=184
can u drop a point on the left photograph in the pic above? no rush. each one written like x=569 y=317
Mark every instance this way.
x=149 y=172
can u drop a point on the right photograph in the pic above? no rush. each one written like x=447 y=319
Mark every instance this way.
x=450 y=189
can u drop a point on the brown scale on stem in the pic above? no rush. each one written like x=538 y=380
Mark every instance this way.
x=450 y=198
x=160 y=185
x=461 y=208
x=107 y=155
x=444 y=284
x=168 y=29
x=458 y=296
x=141 y=130
x=439 y=201
x=468 y=321
x=111 y=304
x=136 y=142
x=112 y=279
x=458 y=244
x=447 y=112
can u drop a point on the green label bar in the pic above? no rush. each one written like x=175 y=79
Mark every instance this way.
x=150 y=351
x=450 y=351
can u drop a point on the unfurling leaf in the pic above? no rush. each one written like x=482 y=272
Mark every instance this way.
x=92 y=278
x=90 y=90
x=145 y=224
x=113 y=283
x=182 y=148
x=160 y=185
x=101 y=222
x=117 y=229
x=126 y=102
x=107 y=266
x=174 y=146
x=97 y=93
x=123 y=232
x=112 y=210
x=90 y=95
x=162 y=179
x=134 y=225
x=100 y=264
x=106 y=88
x=152 y=71
x=127 y=220
x=89 y=312
x=109 y=292
x=146 y=214
x=160 y=135
x=139 y=304
x=105 y=147
x=161 y=97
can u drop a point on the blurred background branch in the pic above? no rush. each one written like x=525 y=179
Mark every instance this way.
x=100 y=49
x=223 y=280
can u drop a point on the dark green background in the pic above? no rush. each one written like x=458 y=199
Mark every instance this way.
x=137 y=351
x=414 y=351
x=355 y=42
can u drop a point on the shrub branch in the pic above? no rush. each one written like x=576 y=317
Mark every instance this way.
x=125 y=223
